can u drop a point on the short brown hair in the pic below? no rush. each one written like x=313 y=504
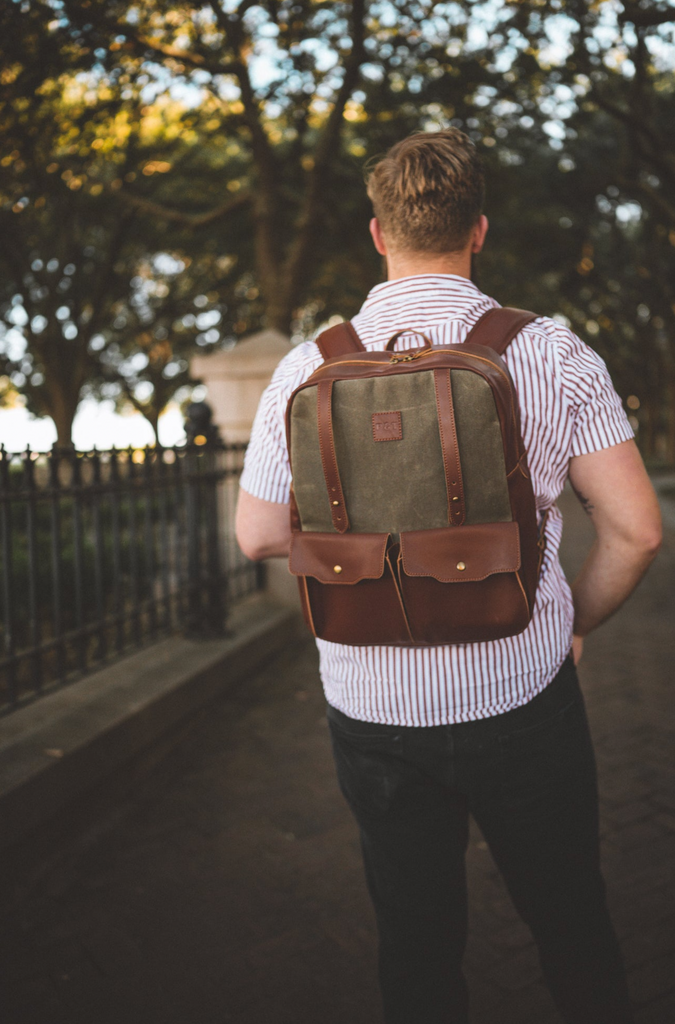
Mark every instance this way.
x=428 y=191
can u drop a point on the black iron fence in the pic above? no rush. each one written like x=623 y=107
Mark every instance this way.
x=101 y=552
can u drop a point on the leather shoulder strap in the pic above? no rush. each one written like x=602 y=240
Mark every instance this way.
x=497 y=328
x=339 y=341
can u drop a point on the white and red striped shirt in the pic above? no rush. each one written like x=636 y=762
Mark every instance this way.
x=568 y=407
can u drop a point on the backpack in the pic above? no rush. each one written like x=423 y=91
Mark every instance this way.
x=412 y=511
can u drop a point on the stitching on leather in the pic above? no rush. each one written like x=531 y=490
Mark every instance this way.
x=522 y=588
x=517 y=466
x=394 y=437
x=464 y=579
x=319 y=396
x=314 y=382
x=303 y=580
x=333 y=467
x=460 y=481
x=443 y=446
x=347 y=583
x=399 y=593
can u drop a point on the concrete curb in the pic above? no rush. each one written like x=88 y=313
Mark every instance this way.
x=58 y=748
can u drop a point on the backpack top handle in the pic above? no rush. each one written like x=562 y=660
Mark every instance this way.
x=390 y=346
x=495 y=329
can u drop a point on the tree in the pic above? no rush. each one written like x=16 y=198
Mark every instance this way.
x=597 y=79
x=71 y=253
x=291 y=87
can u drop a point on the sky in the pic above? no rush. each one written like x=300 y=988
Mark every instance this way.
x=96 y=424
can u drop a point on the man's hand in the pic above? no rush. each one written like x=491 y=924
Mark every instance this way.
x=615 y=491
x=577 y=649
x=263 y=528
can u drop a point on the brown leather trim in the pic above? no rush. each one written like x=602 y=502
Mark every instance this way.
x=331 y=473
x=356 y=557
x=519 y=466
x=448 y=431
x=479 y=359
x=339 y=340
x=482 y=548
x=296 y=523
x=395 y=569
x=306 y=604
x=497 y=328
x=522 y=590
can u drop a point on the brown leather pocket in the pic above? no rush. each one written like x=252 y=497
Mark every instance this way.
x=338 y=557
x=368 y=609
x=460 y=554
x=461 y=584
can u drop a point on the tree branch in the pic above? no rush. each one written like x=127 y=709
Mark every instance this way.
x=641 y=131
x=195 y=60
x=263 y=158
x=298 y=262
x=644 y=18
x=197 y=220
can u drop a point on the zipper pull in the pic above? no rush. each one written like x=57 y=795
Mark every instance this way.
x=405 y=359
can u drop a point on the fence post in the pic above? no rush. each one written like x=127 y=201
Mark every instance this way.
x=7 y=576
x=216 y=616
x=193 y=619
x=34 y=618
x=57 y=575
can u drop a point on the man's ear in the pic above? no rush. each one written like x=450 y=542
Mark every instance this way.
x=479 y=233
x=377 y=236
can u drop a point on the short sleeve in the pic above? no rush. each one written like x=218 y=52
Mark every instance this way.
x=599 y=419
x=267 y=472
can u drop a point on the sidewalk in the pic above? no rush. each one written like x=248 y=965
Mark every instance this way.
x=222 y=884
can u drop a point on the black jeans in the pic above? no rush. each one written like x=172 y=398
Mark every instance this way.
x=528 y=778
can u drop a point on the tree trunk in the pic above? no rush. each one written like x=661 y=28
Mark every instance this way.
x=670 y=420
x=152 y=416
x=62 y=409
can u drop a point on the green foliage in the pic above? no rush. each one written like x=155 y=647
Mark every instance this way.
x=229 y=140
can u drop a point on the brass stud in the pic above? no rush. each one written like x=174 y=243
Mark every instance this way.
x=461 y=566
x=336 y=502
x=337 y=569
x=455 y=498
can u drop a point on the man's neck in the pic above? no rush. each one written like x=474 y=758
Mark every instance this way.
x=412 y=264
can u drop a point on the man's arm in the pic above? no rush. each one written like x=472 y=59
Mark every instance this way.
x=615 y=491
x=263 y=528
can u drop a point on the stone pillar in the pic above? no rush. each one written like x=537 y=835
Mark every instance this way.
x=235 y=380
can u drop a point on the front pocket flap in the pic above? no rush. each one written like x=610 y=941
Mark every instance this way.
x=455 y=554
x=338 y=557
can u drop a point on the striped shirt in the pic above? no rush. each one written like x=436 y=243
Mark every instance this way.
x=568 y=407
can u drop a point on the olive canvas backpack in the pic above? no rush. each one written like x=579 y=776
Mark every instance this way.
x=412 y=511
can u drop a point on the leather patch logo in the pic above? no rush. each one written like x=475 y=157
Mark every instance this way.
x=387 y=426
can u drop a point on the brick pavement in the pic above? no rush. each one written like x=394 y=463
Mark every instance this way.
x=220 y=880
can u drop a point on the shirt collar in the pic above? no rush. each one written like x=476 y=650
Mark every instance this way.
x=452 y=287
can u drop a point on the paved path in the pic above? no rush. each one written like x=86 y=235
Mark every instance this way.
x=222 y=883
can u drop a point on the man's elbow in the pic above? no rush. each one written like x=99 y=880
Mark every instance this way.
x=253 y=547
x=652 y=539
x=646 y=538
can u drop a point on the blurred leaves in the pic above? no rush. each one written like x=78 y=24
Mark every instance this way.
x=178 y=152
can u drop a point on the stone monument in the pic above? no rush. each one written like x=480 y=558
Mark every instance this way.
x=235 y=379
